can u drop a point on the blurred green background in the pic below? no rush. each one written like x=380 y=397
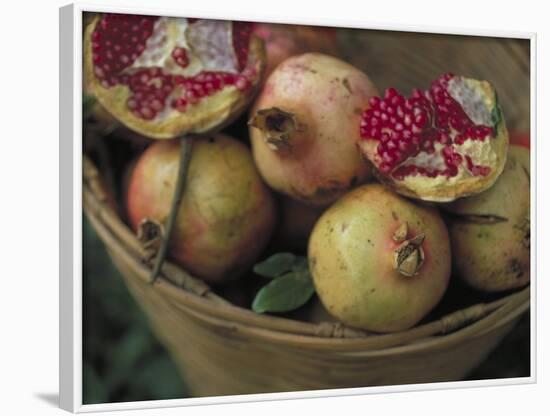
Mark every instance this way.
x=123 y=361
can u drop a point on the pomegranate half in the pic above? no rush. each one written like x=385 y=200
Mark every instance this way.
x=440 y=144
x=164 y=77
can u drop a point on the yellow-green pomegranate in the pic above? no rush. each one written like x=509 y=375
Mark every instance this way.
x=226 y=216
x=490 y=232
x=379 y=261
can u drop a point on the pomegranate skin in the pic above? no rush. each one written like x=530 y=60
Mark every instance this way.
x=283 y=41
x=303 y=128
x=351 y=257
x=490 y=232
x=226 y=216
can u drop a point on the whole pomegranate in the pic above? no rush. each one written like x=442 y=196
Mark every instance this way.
x=490 y=232
x=283 y=41
x=379 y=261
x=303 y=128
x=226 y=215
x=438 y=145
x=165 y=77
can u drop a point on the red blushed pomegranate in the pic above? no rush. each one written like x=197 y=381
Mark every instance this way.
x=226 y=215
x=283 y=41
x=379 y=261
x=491 y=233
x=164 y=77
x=303 y=128
x=440 y=144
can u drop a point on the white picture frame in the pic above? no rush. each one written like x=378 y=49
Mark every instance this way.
x=70 y=153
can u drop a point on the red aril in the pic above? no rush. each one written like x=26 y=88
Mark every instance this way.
x=165 y=77
x=440 y=144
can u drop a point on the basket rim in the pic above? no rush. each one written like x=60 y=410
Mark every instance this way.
x=196 y=298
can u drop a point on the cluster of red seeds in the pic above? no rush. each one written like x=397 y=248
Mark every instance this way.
x=150 y=87
x=207 y=83
x=407 y=126
x=117 y=42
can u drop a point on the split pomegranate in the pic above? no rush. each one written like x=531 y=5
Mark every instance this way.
x=164 y=77
x=283 y=41
x=379 y=261
x=303 y=128
x=226 y=216
x=440 y=144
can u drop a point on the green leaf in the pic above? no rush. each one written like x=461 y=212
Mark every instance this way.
x=276 y=265
x=496 y=113
x=284 y=293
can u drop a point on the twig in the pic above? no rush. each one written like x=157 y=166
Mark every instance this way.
x=186 y=143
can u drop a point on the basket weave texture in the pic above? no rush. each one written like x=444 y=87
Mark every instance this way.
x=223 y=349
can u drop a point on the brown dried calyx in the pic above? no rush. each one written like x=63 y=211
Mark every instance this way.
x=409 y=255
x=277 y=125
x=150 y=233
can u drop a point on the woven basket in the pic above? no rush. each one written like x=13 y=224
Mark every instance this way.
x=223 y=349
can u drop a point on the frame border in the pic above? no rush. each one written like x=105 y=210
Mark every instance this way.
x=70 y=210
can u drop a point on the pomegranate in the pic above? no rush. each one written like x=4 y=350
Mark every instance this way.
x=164 y=77
x=283 y=41
x=440 y=144
x=303 y=128
x=226 y=216
x=379 y=262
x=490 y=232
